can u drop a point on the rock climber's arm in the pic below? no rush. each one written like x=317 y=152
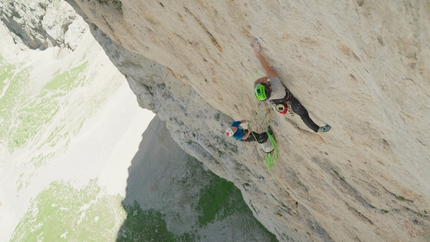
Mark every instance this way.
x=235 y=124
x=246 y=135
x=263 y=61
x=269 y=71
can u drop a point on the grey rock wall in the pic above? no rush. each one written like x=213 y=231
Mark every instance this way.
x=43 y=24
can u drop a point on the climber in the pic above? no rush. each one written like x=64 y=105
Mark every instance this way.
x=269 y=88
x=247 y=135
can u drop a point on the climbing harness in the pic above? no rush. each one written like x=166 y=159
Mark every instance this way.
x=284 y=104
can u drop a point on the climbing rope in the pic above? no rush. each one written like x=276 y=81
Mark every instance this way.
x=260 y=120
x=272 y=157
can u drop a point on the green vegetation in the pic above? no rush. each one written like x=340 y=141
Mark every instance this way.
x=6 y=72
x=64 y=213
x=12 y=84
x=56 y=133
x=216 y=200
x=31 y=117
x=24 y=111
x=68 y=80
x=144 y=226
x=149 y=225
x=338 y=175
x=217 y=116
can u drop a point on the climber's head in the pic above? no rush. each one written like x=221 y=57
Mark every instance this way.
x=262 y=89
x=229 y=132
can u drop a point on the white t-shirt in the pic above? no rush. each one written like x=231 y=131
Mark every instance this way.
x=278 y=90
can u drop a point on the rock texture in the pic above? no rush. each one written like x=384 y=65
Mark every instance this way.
x=43 y=24
x=362 y=66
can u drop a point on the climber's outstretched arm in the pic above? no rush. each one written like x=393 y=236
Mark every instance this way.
x=269 y=70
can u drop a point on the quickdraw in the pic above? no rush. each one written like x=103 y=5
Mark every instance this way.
x=289 y=108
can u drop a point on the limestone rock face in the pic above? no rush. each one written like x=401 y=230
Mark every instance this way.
x=43 y=24
x=361 y=66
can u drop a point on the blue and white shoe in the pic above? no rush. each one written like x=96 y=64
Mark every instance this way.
x=324 y=129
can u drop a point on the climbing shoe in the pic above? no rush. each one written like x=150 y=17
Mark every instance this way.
x=324 y=129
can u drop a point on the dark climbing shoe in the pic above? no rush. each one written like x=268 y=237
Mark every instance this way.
x=270 y=130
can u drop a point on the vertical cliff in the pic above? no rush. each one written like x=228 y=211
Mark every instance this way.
x=361 y=66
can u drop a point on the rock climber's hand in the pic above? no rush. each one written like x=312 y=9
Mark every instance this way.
x=256 y=46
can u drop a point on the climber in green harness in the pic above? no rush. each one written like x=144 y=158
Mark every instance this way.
x=270 y=89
